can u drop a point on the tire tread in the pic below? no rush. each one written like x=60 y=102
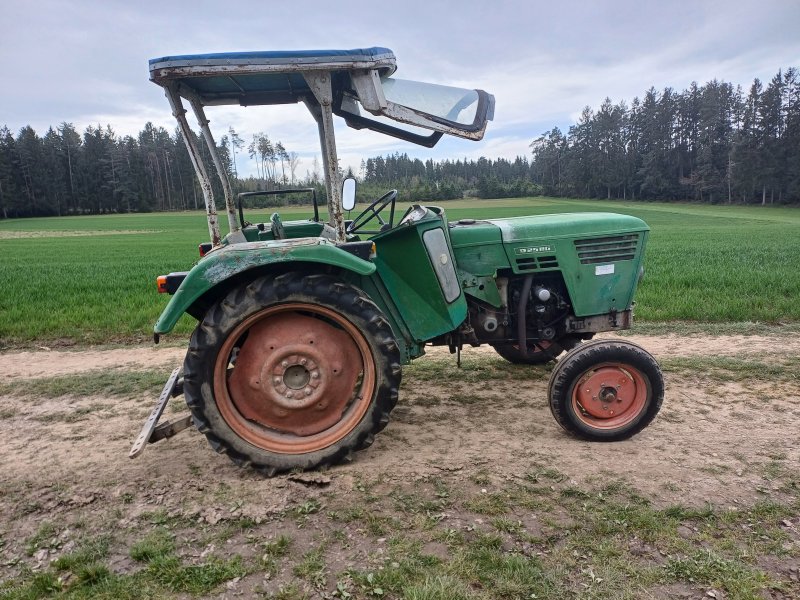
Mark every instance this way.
x=244 y=301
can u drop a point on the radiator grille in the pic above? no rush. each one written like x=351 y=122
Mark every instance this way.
x=607 y=249
x=532 y=263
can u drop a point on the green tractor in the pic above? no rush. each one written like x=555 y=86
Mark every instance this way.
x=303 y=326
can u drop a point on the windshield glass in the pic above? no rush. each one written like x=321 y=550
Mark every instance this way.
x=458 y=105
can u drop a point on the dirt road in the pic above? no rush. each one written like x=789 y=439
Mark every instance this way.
x=706 y=446
x=719 y=441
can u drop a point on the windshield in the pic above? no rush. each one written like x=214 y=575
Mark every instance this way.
x=454 y=104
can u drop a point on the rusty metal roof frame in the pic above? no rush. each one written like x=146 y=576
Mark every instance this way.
x=328 y=82
x=247 y=78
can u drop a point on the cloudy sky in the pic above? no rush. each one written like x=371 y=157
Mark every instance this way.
x=86 y=62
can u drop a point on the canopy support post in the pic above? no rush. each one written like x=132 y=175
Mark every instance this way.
x=179 y=112
x=230 y=206
x=320 y=84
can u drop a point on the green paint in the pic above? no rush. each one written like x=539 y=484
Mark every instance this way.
x=414 y=295
x=220 y=265
x=407 y=272
x=549 y=243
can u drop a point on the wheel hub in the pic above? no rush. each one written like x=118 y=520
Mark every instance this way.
x=291 y=379
x=295 y=374
x=607 y=393
x=298 y=376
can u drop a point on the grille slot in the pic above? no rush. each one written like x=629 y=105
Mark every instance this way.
x=533 y=263
x=607 y=249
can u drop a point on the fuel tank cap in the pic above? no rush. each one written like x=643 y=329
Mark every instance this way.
x=466 y=221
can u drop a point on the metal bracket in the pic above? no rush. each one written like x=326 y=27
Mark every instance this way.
x=320 y=84
x=155 y=415
x=170 y=428
x=197 y=161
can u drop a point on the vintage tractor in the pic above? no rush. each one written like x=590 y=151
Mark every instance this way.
x=303 y=326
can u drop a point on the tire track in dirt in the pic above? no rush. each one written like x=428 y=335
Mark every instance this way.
x=728 y=443
x=33 y=364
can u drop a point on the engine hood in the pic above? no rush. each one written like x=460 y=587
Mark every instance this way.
x=566 y=225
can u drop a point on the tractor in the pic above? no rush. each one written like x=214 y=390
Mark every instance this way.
x=303 y=326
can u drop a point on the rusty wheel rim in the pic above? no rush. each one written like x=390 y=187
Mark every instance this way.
x=294 y=378
x=610 y=396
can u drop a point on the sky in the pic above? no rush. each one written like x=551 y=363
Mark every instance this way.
x=85 y=62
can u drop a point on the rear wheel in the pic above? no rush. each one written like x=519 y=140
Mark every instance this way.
x=606 y=390
x=292 y=372
x=538 y=354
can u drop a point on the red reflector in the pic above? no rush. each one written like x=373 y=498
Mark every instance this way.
x=204 y=249
x=161 y=282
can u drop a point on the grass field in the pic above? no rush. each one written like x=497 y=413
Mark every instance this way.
x=91 y=279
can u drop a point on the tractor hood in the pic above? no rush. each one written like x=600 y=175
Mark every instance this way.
x=598 y=250
x=566 y=225
x=516 y=230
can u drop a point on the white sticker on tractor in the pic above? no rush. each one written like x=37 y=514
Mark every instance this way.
x=604 y=269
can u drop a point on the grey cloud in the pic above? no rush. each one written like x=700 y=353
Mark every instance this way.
x=86 y=62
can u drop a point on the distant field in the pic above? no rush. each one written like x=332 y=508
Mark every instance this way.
x=91 y=279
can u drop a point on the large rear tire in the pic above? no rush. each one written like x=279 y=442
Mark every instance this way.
x=606 y=390
x=292 y=372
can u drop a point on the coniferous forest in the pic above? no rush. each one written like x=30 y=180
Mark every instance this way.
x=713 y=143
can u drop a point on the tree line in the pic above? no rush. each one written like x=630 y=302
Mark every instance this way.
x=65 y=172
x=709 y=143
x=68 y=173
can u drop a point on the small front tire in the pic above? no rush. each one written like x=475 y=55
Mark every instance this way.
x=606 y=390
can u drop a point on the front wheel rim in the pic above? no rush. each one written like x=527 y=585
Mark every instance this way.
x=610 y=396
x=294 y=378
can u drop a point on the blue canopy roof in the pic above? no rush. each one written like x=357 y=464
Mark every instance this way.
x=264 y=77
x=287 y=57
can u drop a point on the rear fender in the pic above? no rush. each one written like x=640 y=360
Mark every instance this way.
x=228 y=266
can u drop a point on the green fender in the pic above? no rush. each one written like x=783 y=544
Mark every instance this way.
x=228 y=261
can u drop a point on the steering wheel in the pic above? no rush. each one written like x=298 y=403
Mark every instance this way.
x=373 y=212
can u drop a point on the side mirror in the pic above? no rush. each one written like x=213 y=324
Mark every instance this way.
x=349 y=193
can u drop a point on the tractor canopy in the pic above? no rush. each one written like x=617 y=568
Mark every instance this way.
x=362 y=83
x=356 y=85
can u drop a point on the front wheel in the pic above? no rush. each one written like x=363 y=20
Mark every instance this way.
x=292 y=372
x=606 y=390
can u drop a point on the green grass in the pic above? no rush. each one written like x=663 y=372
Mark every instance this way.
x=117 y=383
x=91 y=279
x=83 y=573
x=728 y=368
x=539 y=537
x=606 y=543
